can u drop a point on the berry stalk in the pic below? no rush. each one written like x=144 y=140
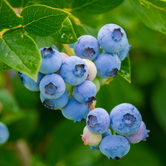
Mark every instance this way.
x=91 y=107
x=67 y=49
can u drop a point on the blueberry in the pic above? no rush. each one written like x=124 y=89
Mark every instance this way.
x=55 y=104
x=74 y=110
x=106 y=133
x=92 y=70
x=90 y=138
x=52 y=86
x=74 y=70
x=87 y=47
x=124 y=52
x=125 y=119
x=4 y=133
x=29 y=83
x=112 y=38
x=51 y=60
x=107 y=65
x=85 y=92
x=98 y=121
x=141 y=134
x=114 y=146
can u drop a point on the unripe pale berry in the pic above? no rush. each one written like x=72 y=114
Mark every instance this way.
x=90 y=138
x=92 y=70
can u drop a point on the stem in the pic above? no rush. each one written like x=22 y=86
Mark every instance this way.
x=108 y=80
x=91 y=107
x=75 y=19
x=114 y=133
x=67 y=49
x=23 y=152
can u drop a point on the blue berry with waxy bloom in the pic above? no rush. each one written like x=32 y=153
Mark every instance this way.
x=55 y=104
x=124 y=52
x=98 y=121
x=114 y=146
x=29 y=83
x=51 y=60
x=112 y=38
x=4 y=133
x=52 y=86
x=87 y=47
x=125 y=119
x=75 y=110
x=85 y=92
x=74 y=70
x=140 y=135
x=107 y=65
x=106 y=133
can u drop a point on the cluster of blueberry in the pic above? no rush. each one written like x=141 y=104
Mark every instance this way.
x=124 y=119
x=68 y=83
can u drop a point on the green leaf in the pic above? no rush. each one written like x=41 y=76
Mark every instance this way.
x=18 y=3
x=20 y=52
x=55 y=3
x=86 y=30
x=152 y=13
x=43 y=41
x=8 y=102
x=94 y=6
x=125 y=70
x=66 y=34
x=9 y=18
x=3 y=66
x=42 y=20
x=52 y=3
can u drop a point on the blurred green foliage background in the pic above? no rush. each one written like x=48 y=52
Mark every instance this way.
x=51 y=140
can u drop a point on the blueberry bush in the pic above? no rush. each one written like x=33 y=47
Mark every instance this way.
x=32 y=134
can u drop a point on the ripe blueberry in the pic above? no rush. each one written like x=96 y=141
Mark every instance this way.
x=51 y=60
x=74 y=70
x=107 y=65
x=55 y=104
x=52 y=86
x=125 y=119
x=87 y=47
x=85 y=92
x=98 y=121
x=29 y=83
x=75 y=110
x=112 y=38
x=114 y=146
